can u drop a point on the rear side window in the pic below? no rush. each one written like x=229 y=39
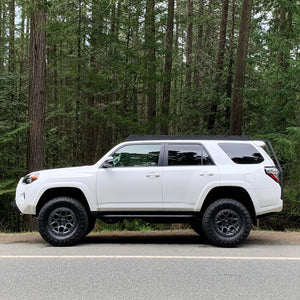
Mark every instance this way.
x=242 y=153
x=187 y=155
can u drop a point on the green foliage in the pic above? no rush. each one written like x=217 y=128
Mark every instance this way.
x=126 y=225
x=10 y=136
x=136 y=225
x=7 y=186
x=12 y=127
x=292 y=198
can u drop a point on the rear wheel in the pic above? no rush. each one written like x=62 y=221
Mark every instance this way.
x=226 y=223
x=63 y=221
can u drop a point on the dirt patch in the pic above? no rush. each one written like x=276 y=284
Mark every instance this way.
x=31 y=237
x=256 y=237
x=274 y=237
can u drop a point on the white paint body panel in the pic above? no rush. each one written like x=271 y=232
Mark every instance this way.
x=182 y=185
x=83 y=178
x=130 y=188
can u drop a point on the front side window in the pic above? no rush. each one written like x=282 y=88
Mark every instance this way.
x=137 y=156
x=187 y=155
x=242 y=153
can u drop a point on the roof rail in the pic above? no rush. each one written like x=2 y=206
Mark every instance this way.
x=141 y=137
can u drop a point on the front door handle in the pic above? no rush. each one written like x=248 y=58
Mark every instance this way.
x=206 y=173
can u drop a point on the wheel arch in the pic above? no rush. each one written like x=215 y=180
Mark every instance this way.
x=233 y=192
x=72 y=192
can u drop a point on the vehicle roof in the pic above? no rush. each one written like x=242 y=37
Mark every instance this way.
x=141 y=137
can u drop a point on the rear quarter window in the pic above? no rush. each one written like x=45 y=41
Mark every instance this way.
x=241 y=153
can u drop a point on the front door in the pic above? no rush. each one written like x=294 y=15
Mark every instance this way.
x=134 y=183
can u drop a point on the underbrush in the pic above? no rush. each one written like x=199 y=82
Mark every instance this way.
x=136 y=225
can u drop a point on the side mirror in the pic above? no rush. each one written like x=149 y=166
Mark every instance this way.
x=109 y=163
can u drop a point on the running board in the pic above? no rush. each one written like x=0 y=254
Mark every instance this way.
x=161 y=218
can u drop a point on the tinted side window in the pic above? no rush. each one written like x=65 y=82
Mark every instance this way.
x=137 y=155
x=242 y=153
x=187 y=155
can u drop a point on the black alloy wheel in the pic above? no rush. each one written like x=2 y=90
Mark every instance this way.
x=227 y=222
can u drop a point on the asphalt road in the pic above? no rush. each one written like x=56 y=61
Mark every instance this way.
x=150 y=266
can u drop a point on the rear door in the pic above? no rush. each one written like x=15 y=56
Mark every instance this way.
x=188 y=170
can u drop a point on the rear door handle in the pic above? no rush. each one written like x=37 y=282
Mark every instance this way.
x=152 y=175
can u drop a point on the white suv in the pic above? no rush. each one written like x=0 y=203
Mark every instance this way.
x=220 y=185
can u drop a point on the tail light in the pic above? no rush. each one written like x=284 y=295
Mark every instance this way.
x=273 y=173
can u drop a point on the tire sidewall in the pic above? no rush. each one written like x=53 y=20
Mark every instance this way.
x=91 y=225
x=197 y=227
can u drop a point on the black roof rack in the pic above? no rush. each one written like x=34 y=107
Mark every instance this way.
x=141 y=137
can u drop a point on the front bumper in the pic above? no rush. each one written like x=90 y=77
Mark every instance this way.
x=13 y=204
x=23 y=202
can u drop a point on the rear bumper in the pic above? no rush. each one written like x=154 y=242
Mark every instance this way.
x=271 y=209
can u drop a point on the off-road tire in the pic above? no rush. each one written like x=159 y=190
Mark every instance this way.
x=197 y=227
x=226 y=223
x=92 y=222
x=63 y=221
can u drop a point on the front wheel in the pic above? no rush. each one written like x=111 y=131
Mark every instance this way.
x=197 y=226
x=92 y=222
x=63 y=221
x=226 y=223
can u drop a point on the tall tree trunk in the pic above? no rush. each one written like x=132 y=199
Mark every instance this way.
x=239 y=79
x=199 y=46
x=11 y=49
x=209 y=31
x=23 y=53
x=2 y=31
x=11 y=53
x=167 y=69
x=189 y=44
x=134 y=98
x=230 y=64
x=283 y=26
x=284 y=30
x=219 y=65
x=150 y=45
x=77 y=127
x=91 y=126
x=37 y=93
x=188 y=101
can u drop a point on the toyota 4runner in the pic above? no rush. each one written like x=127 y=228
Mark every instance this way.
x=220 y=185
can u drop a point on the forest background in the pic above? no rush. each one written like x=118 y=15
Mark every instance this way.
x=79 y=76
